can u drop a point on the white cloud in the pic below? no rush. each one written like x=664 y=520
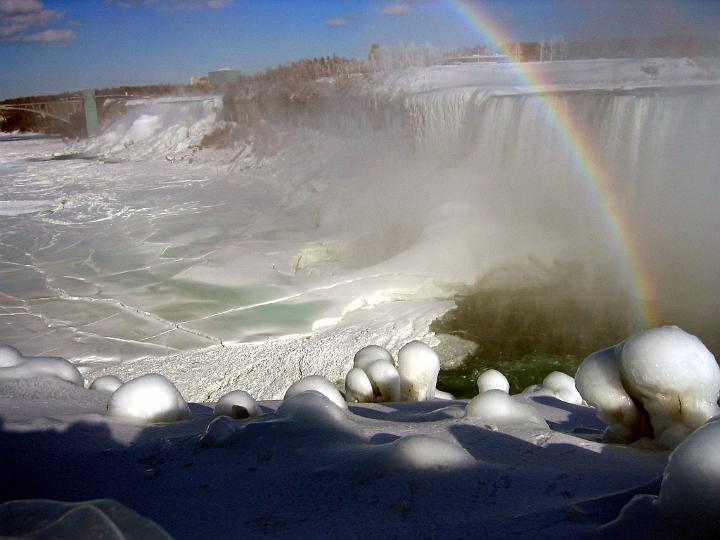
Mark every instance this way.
x=48 y=36
x=19 y=18
x=338 y=21
x=170 y=6
x=398 y=8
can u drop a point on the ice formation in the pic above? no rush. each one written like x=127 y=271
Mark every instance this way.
x=312 y=412
x=318 y=384
x=689 y=492
x=367 y=355
x=106 y=383
x=667 y=375
x=104 y=518
x=385 y=380
x=220 y=431
x=149 y=398
x=9 y=356
x=426 y=452
x=418 y=366
x=237 y=404
x=562 y=386
x=497 y=408
x=22 y=367
x=439 y=394
x=492 y=379
x=358 y=388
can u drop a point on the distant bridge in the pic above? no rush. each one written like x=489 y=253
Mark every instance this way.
x=63 y=110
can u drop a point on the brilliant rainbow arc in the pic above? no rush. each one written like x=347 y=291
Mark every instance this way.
x=597 y=181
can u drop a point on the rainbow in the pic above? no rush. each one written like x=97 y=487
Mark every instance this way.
x=597 y=181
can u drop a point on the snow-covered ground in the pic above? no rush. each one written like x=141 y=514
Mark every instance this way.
x=247 y=269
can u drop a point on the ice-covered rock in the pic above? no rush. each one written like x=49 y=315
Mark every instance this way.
x=43 y=366
x=220 y=431
x=385 y=380
x=106 y=383
x=668 y=375
x=59 y=520
x=492 y=379
x=9 y=356
x=689 y=492
x=418 y=366
x=312 y=412
x=562 y=386
x=367 y=355
x=237 y=404
x=318 y=384
x=497 y=408
x=439 y=394
x=149 y=398
x=358 y=388
x=426 y=452
x=598 y=381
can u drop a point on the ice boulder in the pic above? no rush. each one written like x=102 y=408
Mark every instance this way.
x=106 y=383
x=598 y=381
x=418 y=366
x=497 y=408
x=312 y=413
x=367 y=355
x=425 y=452
x=689 y=492
x=385 y=380
x=671 y=378
x=59 y=520
x=43 y=366
x=562 y=387
x=318 y=384
x=492 y=379
x=237 y=404
x=358 y=388
x=9 y=356
x=149 y=399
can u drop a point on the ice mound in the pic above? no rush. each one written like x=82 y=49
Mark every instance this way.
x=439 y=394
x=358 y=388
x=662 y=383
x=688 y=505
x=106 y=519
x=219 y=432
x=385 y=380
x=16 y=366
x=237 y=404
x=312 y=411
x=418 y=366
x=149 y=398
x=426 y=452
x=689 y=492
x=318 y=384
x=492 y=379
x=561 y=386
x=9 y=356
x=367 y=355
x=106 y=383
x=497 y=408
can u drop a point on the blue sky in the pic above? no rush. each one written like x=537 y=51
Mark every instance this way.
x=49 y=46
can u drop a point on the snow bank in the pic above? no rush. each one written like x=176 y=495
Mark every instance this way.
x=497 y=408
x=668 y=372
x=148 y=399
x=15 y=366
x=425 y=452
x=237 y=404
